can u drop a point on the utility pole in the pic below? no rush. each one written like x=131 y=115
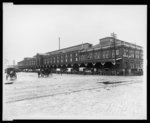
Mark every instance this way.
x=114 y=37
x=135 y=51
x=135 y=56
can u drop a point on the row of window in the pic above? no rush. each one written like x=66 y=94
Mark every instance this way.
x=60 y=59
x=132 y=54
x=52 y=60
x=97 y=55
x=136 y=66
x=47 y=61
x=30 y=63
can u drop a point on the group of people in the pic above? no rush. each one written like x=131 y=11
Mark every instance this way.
x=44 y=73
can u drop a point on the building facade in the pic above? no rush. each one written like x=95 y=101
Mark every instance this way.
x=110 y=57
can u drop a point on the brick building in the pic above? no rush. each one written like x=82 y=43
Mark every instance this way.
x=111 y=56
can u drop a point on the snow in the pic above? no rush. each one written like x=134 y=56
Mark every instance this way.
x=74 y=97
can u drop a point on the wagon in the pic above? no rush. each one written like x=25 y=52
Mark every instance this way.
x=11 y=73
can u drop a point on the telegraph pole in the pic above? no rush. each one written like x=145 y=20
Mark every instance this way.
x=135 y=55
x=135 y=50
x=114 y=37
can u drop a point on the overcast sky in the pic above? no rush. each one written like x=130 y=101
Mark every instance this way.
x=31 y=29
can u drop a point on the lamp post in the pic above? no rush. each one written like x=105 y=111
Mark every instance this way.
x=114 y=37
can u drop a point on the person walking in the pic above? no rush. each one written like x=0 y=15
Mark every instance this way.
x=39 y=74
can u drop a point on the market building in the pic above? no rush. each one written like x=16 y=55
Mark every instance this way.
x=110 y=56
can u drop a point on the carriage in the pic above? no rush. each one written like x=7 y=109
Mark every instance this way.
x=44 y=73
x=11 y=73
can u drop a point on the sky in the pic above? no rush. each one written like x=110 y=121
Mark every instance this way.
x=32 y=29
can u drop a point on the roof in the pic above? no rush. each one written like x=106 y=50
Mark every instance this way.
x=118 y=42
x=12 y=66
x=27 y=58
x=125 y=42
x=97 y=46
x=45 y=54
x=105 y=38
x=72 y=48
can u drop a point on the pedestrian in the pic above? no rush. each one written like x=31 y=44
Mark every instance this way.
x=38 y=74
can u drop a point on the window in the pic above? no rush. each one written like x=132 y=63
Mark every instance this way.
x=57 y=59
x=132 y=65
x=76 y=59
x=125 y=54
x=137 y=54
x=137 y=65
x=106 y=54
x=141 y=65
x=82 y=57
x=89 y=56
x=44 y=61
x=141 y=55
x=117 y=52
x=61 y=58
x=54 y=59
x=113 y=53
x=47 y=61
x=71 y=59
x=66 y=60
x=70 y=55
x=50 y=60
x=96 y=55
x=99 y=54
x=76 y=54
x=131 y=53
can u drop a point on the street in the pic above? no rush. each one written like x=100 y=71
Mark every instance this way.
x=74 y=97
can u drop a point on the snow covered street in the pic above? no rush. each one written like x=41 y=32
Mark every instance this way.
x=74 y=97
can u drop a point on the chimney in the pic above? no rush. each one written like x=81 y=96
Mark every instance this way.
x=59 y=43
